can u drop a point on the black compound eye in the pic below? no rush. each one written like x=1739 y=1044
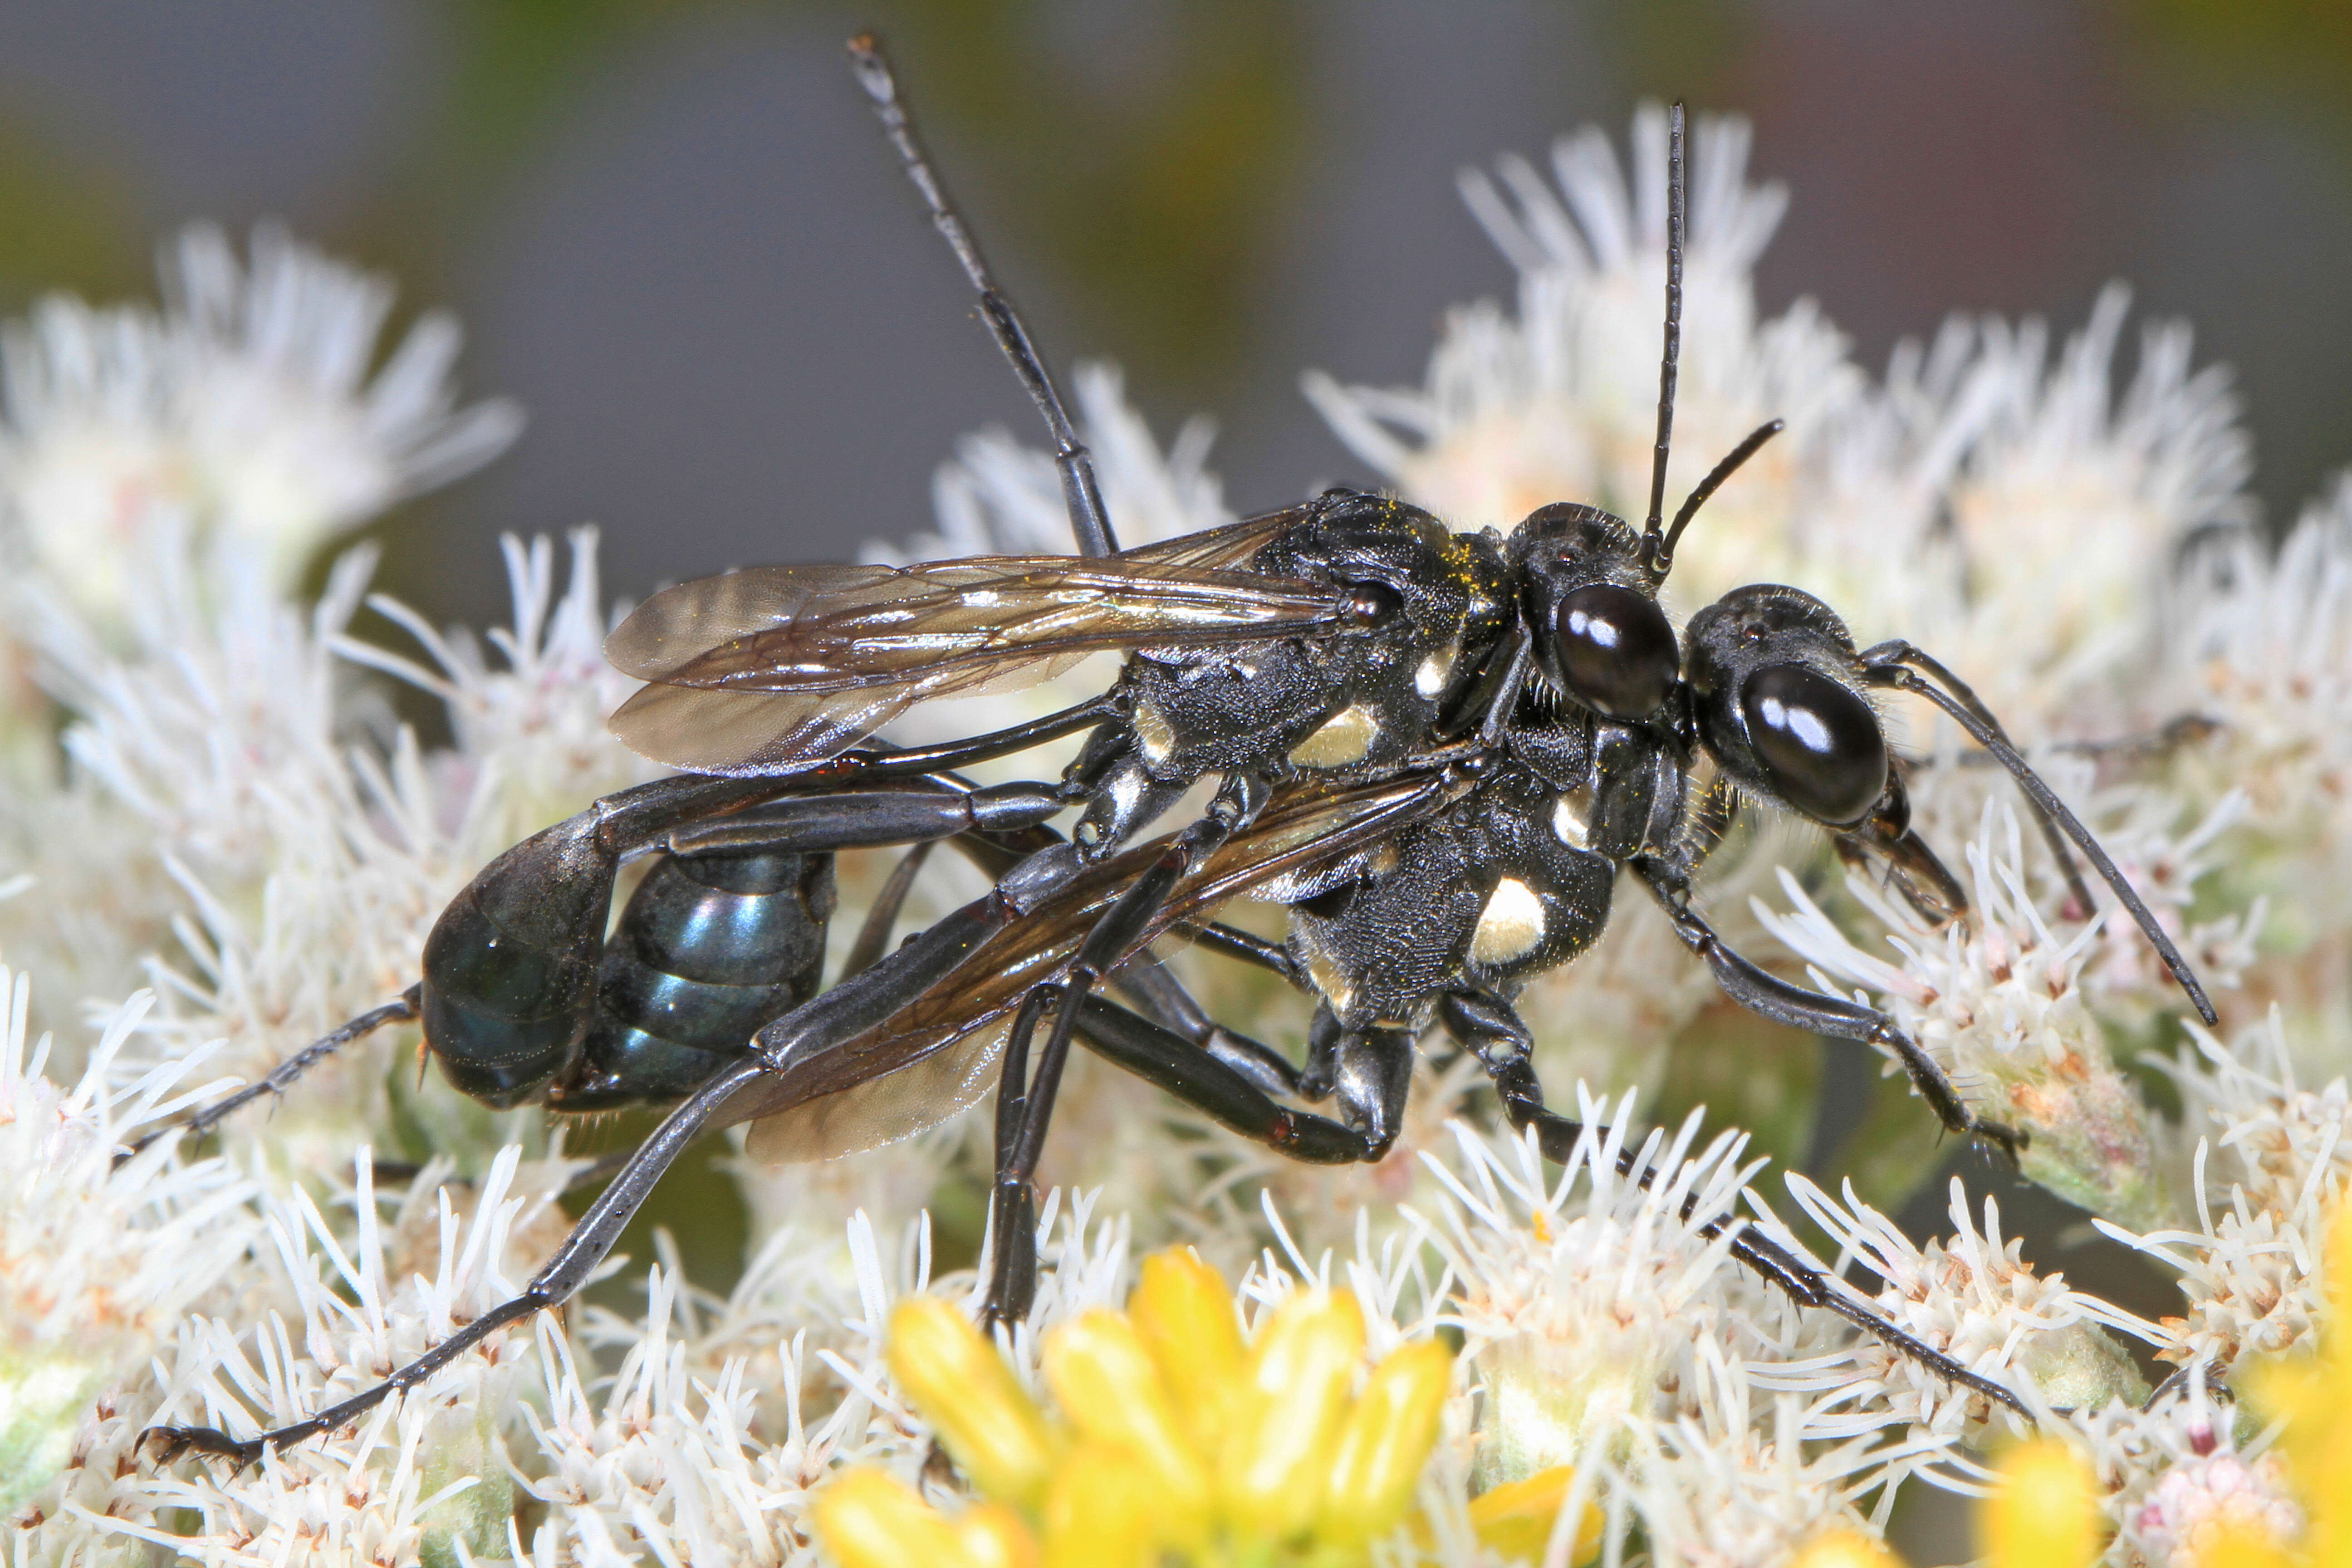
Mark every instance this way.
x=1819 y=740
x=1617 y=653
x=1370 y=603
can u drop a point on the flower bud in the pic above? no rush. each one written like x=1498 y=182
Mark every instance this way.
x=1185 y=1314
x=1383 y=1444
x=2045 y=1513
x=993 y=1429
x=1108 y=1387
x=1515 y=1519
x=1279 y=1437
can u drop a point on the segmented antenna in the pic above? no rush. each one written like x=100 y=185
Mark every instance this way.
x=2047 y=803
x=1080 y=492
x=1653 y=531
x=1661 y=560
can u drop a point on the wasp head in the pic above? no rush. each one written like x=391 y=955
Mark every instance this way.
x=1600 y=636
x=1777 y=691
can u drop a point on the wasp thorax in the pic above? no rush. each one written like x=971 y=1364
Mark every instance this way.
x=1616 y=650
x=1775 y=708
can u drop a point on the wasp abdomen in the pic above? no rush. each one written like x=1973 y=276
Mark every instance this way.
x=709 y=948
x=510 y=970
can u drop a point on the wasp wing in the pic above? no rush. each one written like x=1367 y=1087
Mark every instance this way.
x=1228 y=548
x=775 y=667
x=939 y=1053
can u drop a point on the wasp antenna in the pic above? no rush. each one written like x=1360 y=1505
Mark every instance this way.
x=1901 y=652
x=1661 y=561
x=1080 y=492
x=1653 y=535
x=2046 y=802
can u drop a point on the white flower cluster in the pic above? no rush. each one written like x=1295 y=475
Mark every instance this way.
x=212 y=812
x=244 y=410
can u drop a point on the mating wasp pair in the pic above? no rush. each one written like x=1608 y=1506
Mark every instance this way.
x=1438 y=750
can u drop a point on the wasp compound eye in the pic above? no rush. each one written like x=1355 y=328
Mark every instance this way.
x=1372 y=603
x=1616 y=650
x=1819 y=742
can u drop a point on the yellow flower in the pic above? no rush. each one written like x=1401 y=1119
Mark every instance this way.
x=985 y=1420
x=1516 y=1518
x=1383 y=1446
x=2313 y=1394
x=1172 y=1439
x=1279 y=1434
x=1111 y=1390
x=1185 y=1313
x=1847 y=1548
x=869 y=1519
x=2045 y=1513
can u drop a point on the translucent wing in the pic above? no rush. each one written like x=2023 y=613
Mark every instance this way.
x=888 y=1083
x=778 y=667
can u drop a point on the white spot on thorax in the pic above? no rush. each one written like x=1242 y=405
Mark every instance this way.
x=1510 y=925
x=1153 y=732
x=1431 y=677
x=1345 y=738
x=1571 y=819
x=1331 y=981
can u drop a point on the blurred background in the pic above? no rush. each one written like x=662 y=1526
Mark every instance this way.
x=673 y=233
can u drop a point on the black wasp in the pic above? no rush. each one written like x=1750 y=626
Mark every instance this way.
x=1438 y=750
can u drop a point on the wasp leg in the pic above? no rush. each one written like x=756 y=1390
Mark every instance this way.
x=1225 y=1075
x=1490 y=1029
x=1249 y=948
x=1227 y=1094
x=873 y=934
x=281 y=1077
x=564 y=1273
x=866 y=819
x=1026 y=1106
x=1769 y=997
x=1161 y=997
x=1368 y=1071
x=798 y=1039
x=995 y=850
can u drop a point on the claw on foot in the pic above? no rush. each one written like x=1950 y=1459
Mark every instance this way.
x=2011 y=1140
x=170 y=1443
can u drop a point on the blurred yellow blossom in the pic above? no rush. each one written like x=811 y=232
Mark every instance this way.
x=1173 y=1436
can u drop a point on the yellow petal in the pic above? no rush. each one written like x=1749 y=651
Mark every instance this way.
x=2235 y=1546
x=1108 y=1387
x=1846 y=1547
x=1384 y=1440
x=1184 y=1312
x=1101 y=1512
x=2044 y=1512
x=1277 y=1455
x=992 y=1536
x=1517 y=1518
x=868 y=1519
x=2339 y=1262
x=962 y=1387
